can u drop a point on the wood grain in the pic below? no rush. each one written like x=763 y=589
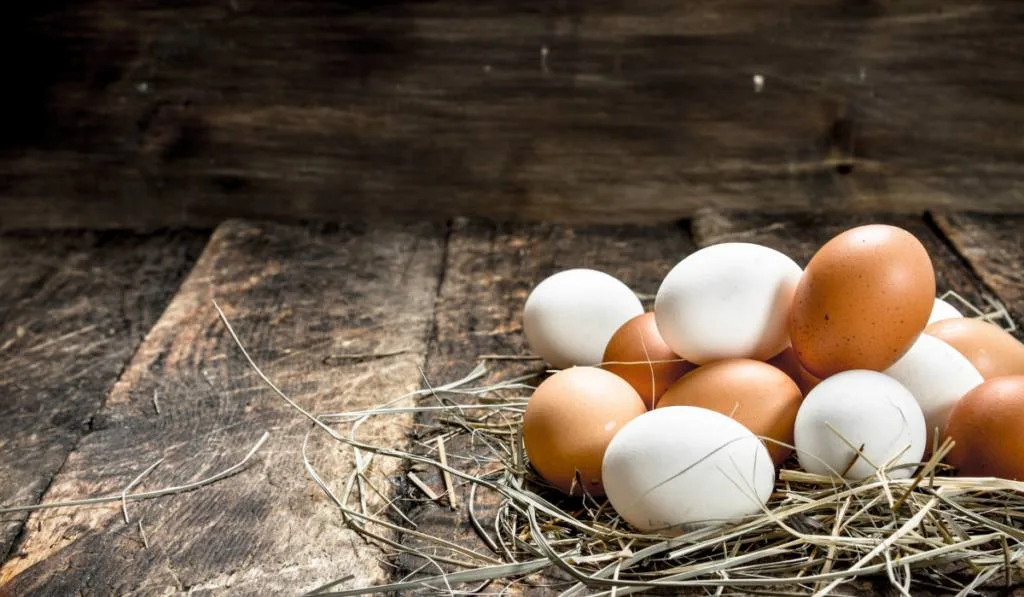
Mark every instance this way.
x=298 y=296
x=73 y=309
x=994 y=247
x=603 y=111
x=490 y=271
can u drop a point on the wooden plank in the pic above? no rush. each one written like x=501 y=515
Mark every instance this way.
x=994 y=247
x=73 y=309
x=490 y=271
x=576 y=111
x=299 y=297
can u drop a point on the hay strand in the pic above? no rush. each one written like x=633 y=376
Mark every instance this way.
x=122 y=496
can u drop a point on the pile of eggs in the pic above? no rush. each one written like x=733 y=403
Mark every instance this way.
x=683 y=415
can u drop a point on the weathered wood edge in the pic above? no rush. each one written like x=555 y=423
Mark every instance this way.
x=993 y=247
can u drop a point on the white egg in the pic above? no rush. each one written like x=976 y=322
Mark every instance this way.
x=678 y=466
x=943 y=310
x=729 y=300
x=938 y=376
x=570 y=316
x=864 y=410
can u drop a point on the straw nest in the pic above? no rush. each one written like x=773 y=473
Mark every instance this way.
x=816 y=536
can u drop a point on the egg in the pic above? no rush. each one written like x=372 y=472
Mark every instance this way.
x=681 y=466
x=729 y=300
x=938 y=376
x=760 y=397
x=986 y=426
x=864 y=410
x=992 y=350
x=638 y=354
x=791 y=366
x=942 y=310
x=570 y=316
x=569 y=420
x=864 y=298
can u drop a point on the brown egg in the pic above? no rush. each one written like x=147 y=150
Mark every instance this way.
x=569 y=421
x=986 y=426
x=638 y=354
x=791 y=366
x=864 y=298
x=761 y=397
x=992 y=350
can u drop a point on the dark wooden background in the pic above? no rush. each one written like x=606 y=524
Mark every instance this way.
x=145 y=114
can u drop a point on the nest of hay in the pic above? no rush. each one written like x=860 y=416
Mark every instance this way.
x=815 y=535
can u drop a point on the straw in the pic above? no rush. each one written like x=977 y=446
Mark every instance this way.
x=815 y=534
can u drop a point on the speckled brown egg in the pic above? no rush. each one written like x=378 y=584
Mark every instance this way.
x=638 y=354
x=761 y=397
x=864 y=298
x=992 y=350
x=569 y=420
x=791 y=366
x=986 y=426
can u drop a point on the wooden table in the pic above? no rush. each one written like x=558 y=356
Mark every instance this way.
x=113 y=358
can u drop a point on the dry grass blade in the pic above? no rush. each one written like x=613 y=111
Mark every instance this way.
x=138 y=479
x=145 y=495
x=999 y=315
x=466 y=576
x=422 y=486
x=449 y=486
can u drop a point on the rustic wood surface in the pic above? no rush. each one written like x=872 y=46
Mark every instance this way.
x=489 y=272
x=301 y=298
x=73 y=309
x=994 y=247
x=147 y=114
x=306 y=299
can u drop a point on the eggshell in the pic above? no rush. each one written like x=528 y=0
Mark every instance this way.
x=942 y=310
x=992 y=350
x=938 y=376
x=868 y=409
x=791 y=366
x=729 y=300
x=760 y=397
x=570 y=316
x=682 y=465
x=986 y=426
x=569 y=420
x=638 y=354
x=864 y=298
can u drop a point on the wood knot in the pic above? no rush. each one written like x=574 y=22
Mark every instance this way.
x=843 y=145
